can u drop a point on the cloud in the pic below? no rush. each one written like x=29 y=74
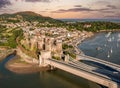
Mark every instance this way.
x=77 y=5
x=112 y=6
x=109 y=7
x=101 y=2
x=4 y=3
x=107 y=11
x=109 y=4
x=6 y=10
x=81 y=9
x=73 y=10
x=78 y=8
x=38 y=0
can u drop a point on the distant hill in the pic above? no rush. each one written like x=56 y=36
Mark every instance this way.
x=29 y=16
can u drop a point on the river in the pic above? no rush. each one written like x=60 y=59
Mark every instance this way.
x=43 y=79
x=97 y=46
x=105 y=46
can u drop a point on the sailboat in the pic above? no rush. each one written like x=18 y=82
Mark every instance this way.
x=109 y=40
x=111 y=50
x=109 y=33
x=108 y=55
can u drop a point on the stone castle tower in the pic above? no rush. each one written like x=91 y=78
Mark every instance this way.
x=50 y=44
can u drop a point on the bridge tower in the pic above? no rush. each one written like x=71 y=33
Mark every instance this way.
x=44 y=55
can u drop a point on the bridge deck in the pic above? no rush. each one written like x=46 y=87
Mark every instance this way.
x=84 y=71
x=84 y=57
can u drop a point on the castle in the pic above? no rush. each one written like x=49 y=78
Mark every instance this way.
x=38 y=41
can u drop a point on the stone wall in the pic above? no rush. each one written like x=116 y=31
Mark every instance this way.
x=25 y=57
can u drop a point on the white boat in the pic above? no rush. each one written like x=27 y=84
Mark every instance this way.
x=109 y=33
x=111 y=50
x=109 y=40
x=108 y=55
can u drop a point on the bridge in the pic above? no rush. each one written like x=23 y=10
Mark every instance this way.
x=88 y=58
x=93 y=69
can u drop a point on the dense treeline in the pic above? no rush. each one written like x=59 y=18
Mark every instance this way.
x=93 y=26
x=87 y=26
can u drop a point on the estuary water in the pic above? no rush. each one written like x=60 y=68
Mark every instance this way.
x=105 y=46
x=43 y=79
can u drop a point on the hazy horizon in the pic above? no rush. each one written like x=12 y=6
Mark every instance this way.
x=65 y=9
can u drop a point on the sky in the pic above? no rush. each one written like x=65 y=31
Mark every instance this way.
x=78 y=9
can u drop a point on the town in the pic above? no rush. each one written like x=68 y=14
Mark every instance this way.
x=58 y=41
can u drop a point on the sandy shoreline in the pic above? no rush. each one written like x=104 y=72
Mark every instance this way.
x=20 y=67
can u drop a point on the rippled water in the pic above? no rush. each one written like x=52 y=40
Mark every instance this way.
x=105 y=46
x=44 y=79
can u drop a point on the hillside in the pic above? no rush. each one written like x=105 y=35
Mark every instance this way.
x=28 y=16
